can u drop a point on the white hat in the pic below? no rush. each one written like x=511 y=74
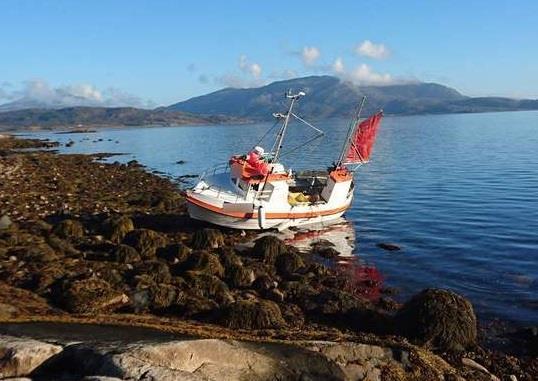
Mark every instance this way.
x=259 y=150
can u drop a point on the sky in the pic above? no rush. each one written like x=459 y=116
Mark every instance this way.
x=152 y=53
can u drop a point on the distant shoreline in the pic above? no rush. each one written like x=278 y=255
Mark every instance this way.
x=95 y=128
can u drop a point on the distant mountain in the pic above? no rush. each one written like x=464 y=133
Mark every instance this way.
x=101 y=117
x=328 y=96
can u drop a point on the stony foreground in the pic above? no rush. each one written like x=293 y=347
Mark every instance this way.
x=87 y=242
x=215 y=359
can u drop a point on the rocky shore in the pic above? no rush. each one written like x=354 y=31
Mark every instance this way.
x=86 y=242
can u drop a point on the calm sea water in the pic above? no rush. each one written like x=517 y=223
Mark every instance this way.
x=458 y=193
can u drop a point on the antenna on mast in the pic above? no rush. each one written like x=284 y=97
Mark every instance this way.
x=280 y=137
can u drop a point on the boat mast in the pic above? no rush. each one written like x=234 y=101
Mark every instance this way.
x=351 y=132
x=282 y=132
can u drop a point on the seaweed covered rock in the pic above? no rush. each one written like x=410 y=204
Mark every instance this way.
x=69 y=229
x=162 y=200
x=293 y=315
x=46 y=277
x=191 y=305
x=149 y=295
x=289 y=263
x=163 y=295
x=252 y=314
x=240 y=276
x=175 y=253
x=369 y=318
x=204 y=262
x=154 y=270
x=40 y=253
x=145 y=241
x=62 y=246
x=38 y=227
x=301 y=293
x=229 y=258
x=269 y=248
x=88 y=296
x=440 y=318
x=167 y=200
x=114 y=274
x=207 y=239
x=327 y=252
x=209 y=286
x=329 y=301
x=126 y=254
x=324 y=249
x=116 y=228
x=264 y=283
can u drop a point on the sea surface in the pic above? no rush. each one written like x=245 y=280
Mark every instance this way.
x=458 y=193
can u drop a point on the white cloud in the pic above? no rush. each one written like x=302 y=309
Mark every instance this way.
x=309 y=55
x=251 y=68
x=369 y=49
x=255 y=70
x=40 y=92
x=249 y=76
x=338 y=66
x=364 y=75
x=114 y=97
x=82 y=91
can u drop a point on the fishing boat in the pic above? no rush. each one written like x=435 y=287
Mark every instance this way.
x=256 y=192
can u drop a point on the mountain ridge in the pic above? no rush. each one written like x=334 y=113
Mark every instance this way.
x=328 y=96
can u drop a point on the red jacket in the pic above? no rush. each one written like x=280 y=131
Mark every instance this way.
x=256 y=162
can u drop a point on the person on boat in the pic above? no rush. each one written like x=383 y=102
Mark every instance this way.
x=256 y=161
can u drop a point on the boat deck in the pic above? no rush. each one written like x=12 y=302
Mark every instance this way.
x=220 y=186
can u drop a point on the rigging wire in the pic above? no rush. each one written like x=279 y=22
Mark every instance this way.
x=266 y=133
x=302 y=145
x=308 y=141
x=308 y=124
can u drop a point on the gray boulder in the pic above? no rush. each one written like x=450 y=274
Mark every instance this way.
x=20 y=356
x=5 y=222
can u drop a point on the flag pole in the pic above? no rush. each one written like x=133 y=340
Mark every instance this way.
x=351 y=131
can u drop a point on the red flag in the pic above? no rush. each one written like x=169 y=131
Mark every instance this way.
x=363 y=141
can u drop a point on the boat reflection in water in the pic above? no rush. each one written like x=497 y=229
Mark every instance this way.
x=339 y=235
x=354 y=275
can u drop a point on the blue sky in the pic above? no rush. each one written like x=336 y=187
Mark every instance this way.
x=161 y=52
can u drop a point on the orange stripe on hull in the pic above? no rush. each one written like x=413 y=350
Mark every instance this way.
x=216 y=209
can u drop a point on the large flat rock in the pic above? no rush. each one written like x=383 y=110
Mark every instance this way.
x=185 y=359
x=20 y=356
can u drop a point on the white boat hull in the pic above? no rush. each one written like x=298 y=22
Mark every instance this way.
x=203 y=214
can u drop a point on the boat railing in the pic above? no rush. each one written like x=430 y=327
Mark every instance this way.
x=216 y=170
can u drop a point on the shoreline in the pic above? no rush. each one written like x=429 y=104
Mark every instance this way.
x=183 y=178
x=74 y=223
x=96 y=128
